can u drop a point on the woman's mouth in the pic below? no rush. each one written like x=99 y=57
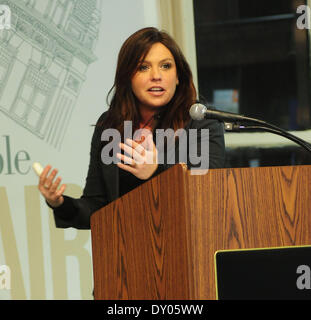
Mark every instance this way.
x=156 y=91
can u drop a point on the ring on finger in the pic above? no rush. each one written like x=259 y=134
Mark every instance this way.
x=46 y=186
x=140 y=149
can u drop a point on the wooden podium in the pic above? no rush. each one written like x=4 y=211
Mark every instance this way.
x=159 y=241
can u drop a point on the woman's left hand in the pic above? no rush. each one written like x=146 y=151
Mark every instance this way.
x=141 y=158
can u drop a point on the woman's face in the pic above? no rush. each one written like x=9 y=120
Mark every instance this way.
x=155 y=81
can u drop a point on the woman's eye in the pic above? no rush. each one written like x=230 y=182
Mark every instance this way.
x=143 y=67
x=166 y=65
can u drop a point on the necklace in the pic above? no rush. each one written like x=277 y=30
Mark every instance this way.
x=146 y=124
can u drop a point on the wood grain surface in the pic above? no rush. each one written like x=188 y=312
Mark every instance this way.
x=159 y=241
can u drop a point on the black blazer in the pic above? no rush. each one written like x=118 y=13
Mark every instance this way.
x=102 y=182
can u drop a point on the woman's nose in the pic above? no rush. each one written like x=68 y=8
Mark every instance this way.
x=156 y=74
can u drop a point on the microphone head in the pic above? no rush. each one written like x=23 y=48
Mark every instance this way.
x=197 y=111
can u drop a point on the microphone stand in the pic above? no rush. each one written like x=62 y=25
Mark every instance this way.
x=237 y=123
x=265 y=126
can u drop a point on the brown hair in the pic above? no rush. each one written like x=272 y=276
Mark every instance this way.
x=124 y=104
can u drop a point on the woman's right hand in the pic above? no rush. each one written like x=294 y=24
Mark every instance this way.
x=49 y=188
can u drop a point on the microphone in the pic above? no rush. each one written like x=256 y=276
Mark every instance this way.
x=199 y=111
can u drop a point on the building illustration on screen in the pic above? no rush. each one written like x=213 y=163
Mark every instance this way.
x=44 y=57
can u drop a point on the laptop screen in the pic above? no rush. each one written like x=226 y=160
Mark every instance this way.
x=265 y=274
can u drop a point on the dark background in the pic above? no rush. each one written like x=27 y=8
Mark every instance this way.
x=255 y=47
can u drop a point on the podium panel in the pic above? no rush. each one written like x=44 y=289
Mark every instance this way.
x=159 y=240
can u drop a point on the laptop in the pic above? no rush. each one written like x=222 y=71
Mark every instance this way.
x=282 y=273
